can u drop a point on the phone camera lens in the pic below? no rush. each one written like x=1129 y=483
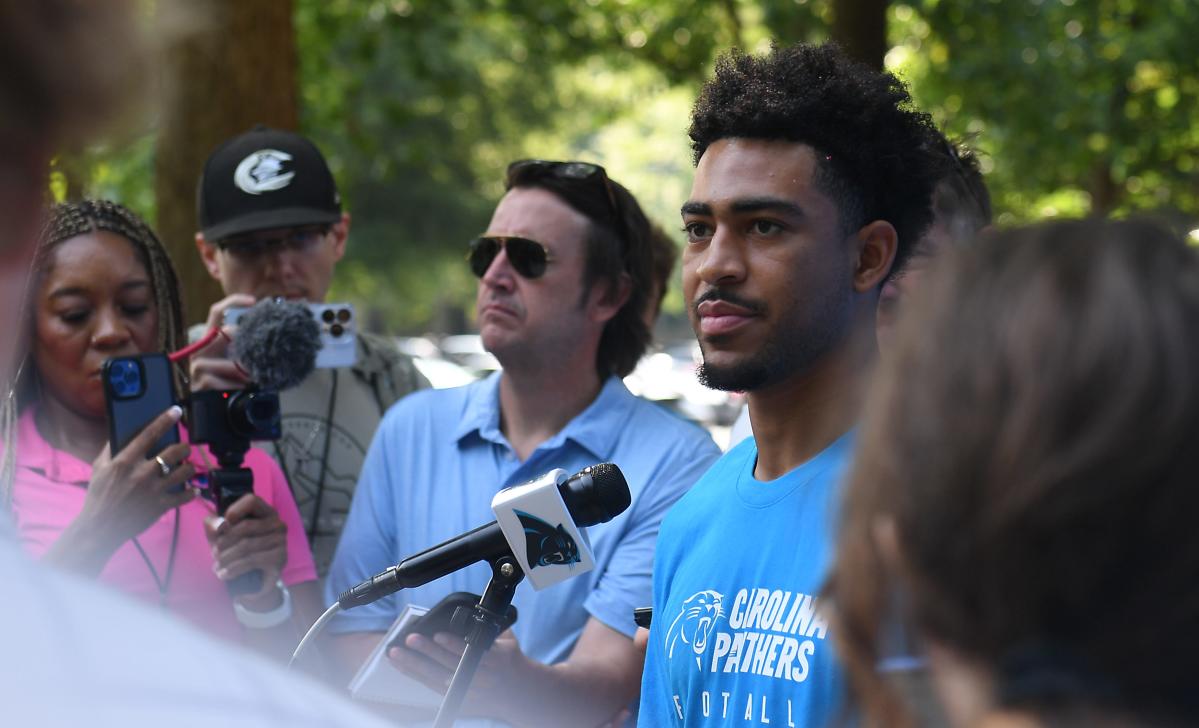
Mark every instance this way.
x=343 y=315
x=327 y=316
x=336 y=330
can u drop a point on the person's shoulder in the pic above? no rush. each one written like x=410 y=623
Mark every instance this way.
x=715 y=480
x=382 y=355
x=381 y=350
x=425 y=406
x=651 y=419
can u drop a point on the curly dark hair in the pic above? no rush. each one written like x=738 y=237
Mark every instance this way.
x=876 y=155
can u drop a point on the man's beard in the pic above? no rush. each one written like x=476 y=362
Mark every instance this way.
x=789 y=351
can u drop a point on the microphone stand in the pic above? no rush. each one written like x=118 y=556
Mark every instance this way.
x=486 y=622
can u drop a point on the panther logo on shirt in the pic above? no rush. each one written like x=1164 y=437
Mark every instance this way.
x=697 y=618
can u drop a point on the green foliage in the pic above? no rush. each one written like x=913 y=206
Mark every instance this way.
x=1083 y=106
x=1079 y=106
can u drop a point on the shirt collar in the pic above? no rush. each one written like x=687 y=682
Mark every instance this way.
x=595 y=428
x=36 y=453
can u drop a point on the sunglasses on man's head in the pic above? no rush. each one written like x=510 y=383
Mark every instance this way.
x=525 y=170
x=528 y=257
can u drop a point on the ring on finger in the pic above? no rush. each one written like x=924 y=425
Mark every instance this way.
x=163 y=467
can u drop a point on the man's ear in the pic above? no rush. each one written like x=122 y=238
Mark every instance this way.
x=208 y=254
x=341 y=234
x=877 y=243
x=607 y=300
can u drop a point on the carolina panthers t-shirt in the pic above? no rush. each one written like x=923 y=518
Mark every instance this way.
x=739 y=636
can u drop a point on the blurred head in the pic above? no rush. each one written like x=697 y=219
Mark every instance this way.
x=69 y=66
x=813 y=178
x=961 y=208
x=588 y=292
x=1025 y=482
x=271 y=222
x=103 y=286
x=665 y=255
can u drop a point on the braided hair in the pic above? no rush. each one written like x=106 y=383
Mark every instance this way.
x=65 y=222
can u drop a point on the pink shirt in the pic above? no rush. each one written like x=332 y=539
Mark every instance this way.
x=48 y=492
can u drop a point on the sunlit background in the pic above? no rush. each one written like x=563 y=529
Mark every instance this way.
x=1077 y=107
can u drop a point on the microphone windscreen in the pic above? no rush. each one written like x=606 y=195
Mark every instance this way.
x=277 y=343
x=596 y=494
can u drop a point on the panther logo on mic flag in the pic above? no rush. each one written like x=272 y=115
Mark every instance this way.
x=546 y=544
x=527 y=514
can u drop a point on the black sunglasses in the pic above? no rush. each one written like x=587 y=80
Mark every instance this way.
x=528 y=257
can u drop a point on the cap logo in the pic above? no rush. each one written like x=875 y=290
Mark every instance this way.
x=262 y=171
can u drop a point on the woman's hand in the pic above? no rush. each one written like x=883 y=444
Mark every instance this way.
x=126 y=495
x=250 y=536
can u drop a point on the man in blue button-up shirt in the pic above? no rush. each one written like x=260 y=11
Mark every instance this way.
x=564 y=270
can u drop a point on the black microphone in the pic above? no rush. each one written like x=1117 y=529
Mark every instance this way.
x=595 y=494
x=276 y=343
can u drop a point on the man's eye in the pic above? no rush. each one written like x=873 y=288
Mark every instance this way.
x=697 y=230
x=766 y=227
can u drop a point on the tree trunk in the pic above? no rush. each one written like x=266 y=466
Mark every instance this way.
x=860 y=26
x=234 y=67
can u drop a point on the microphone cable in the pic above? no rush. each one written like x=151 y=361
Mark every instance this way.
x=313 y=631
x=190 y=349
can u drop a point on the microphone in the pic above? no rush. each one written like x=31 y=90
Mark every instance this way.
x=277 y=342
x=595 y=494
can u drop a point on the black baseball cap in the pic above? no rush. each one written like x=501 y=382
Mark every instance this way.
x=263 y=179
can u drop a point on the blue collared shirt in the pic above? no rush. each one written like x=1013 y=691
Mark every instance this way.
x=439 y=457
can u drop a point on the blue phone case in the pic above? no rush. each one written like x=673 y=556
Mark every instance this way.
x=137 y=389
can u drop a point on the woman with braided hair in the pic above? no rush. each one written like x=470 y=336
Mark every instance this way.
x=103 y=286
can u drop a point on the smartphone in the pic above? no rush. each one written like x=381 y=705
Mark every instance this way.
x=138 y=389
x=643 y=616
x=451 y=615
x=339 y=332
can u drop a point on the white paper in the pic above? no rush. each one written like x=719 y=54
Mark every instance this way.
x=379 y=681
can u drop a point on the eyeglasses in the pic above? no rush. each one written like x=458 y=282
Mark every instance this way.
x=254 y=245
x=528 y=257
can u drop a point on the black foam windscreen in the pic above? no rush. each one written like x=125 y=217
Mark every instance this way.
x=596 y=494
x=277 y=343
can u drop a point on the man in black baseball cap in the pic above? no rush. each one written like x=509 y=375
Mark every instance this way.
x=270 y=191
x=271 y=224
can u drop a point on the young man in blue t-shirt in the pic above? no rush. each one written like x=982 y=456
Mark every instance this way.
x=813 y=176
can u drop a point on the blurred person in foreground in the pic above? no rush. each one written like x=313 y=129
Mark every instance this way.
x=271 y=224
x=813 y=178
x=75 y=653
x=103 y=286
x=961 y=208
x=564 y=269
x=1027 y=490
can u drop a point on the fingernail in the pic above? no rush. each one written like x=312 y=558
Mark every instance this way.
x=176 y=412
